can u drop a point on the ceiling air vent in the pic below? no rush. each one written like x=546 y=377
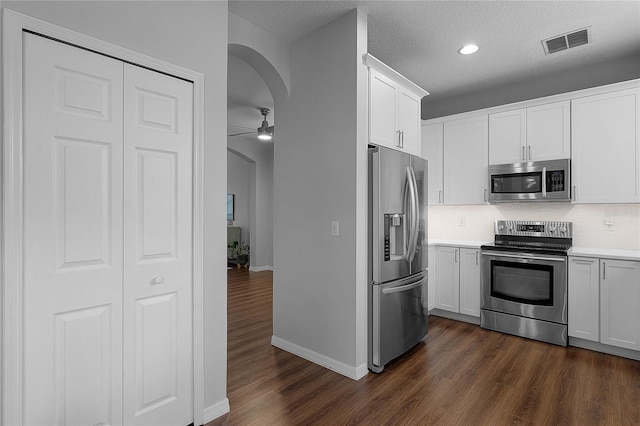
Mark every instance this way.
x=567 y=41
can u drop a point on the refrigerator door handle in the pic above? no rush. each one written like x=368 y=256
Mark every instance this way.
x=402 y=287
x=415 y=212
x=406 y=203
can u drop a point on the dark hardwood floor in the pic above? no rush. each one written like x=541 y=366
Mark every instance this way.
x=460 y=375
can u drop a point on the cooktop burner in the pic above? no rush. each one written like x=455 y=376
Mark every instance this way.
x=538 y=237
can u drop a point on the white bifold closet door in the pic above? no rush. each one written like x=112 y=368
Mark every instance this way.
x=107 y=241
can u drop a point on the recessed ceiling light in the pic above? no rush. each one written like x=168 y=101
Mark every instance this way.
x=468 y=49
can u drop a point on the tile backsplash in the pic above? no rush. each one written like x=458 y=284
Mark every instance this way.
x=611 y=226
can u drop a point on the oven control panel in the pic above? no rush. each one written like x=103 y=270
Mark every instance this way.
x=534 y=229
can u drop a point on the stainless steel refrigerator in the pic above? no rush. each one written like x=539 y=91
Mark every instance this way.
x=397 y=254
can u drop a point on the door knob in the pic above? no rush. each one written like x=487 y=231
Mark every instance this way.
x=158 y=279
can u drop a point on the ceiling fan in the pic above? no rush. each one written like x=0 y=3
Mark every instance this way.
x=265 y=132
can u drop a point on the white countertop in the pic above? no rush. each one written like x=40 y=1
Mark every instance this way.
x=605 y=253
x=457 y=243
x=574 y=251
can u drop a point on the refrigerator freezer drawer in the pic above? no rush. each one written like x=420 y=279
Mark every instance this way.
x=398 y=318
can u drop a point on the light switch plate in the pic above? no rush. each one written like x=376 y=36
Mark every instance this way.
x=335 y=228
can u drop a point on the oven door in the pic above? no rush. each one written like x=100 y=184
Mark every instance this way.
x=525 y=284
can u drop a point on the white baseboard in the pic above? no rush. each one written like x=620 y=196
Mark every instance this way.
x=455 y=316
x=260 y=268
x=216 y=410
x=607 y=349
x=354 y=373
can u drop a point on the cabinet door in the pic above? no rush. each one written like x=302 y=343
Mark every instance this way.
x=584 y=298
x=620 y=303
x=432 y=151
x=605 y=147
x=548 y=131
x=383 y=95
x=466 y=161
x=470 y=282
x=431 y=287
x=507 y=137
x=447 y=279
x=409 y=121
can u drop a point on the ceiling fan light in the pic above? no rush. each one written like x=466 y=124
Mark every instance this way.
x=264 y=134
x=468 y=49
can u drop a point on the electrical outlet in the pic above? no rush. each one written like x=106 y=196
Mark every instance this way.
x=608 y=224
x=462 y=221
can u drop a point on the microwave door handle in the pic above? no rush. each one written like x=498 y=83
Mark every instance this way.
x=544 y=182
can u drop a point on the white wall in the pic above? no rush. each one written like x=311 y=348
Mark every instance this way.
x=588 y=222
x=319 y=144
x=192 y=34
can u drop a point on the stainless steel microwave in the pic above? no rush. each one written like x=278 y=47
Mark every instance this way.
x=530 y=181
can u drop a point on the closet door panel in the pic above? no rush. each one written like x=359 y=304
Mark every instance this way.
x=73 y=269
x=158 y=248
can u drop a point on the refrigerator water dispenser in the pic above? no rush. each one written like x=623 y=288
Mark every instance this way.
x=395 y=234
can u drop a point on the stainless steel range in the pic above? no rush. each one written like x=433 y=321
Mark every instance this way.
x=524 y=280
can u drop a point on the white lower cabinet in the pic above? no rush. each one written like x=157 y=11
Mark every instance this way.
x=620 y=303
x=470 y=282
x=604 y=301
x=448 y=279
x=457 y=286
x=584 y=298
x=431 y=280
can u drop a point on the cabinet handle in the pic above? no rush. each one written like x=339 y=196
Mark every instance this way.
x=402 y=138
x=455 y=256
x=398 y=145
x=523 y=155
x=439 y=197
x=604 y=270
x=573 y=196
x=529 y=152
x=476 y=257
x=484 y=197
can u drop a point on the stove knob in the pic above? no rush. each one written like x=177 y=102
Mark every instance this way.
x=501 y=227
x=551 y=228
x=563 y=229
x=510 y=228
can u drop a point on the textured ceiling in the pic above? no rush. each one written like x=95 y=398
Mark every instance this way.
x=420 y=39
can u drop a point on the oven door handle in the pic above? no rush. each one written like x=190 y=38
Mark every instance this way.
x=523 y=256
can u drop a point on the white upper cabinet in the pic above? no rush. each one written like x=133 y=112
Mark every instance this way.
x=507 y=136
x=549 y=131
x=466 y=160
x=409 y=120
x=606 y=148
x=433 y=152
x=530 y=134
x=383 y=99
x=394 y=108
